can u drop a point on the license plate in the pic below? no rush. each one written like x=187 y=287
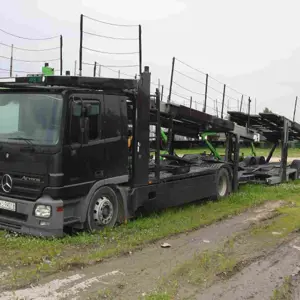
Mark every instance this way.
x=7 y=205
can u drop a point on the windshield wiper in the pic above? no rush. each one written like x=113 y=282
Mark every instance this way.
x=28 y=141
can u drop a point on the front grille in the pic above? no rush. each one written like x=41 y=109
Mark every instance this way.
x=13 y=215
x=24 y=189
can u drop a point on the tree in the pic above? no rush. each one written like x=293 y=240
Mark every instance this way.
x=267 y=111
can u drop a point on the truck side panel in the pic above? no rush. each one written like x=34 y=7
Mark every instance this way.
x=172 y=193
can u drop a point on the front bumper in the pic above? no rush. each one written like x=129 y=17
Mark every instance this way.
x=24 y=221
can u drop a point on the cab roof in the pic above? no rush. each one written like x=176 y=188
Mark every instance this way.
x=69 y=82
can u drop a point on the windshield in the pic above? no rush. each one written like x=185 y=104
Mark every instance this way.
x=30 y=117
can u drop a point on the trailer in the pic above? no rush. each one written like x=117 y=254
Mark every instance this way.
x=66 y=160
x=277 y=130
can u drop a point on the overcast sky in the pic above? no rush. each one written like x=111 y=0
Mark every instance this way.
x=253 y=46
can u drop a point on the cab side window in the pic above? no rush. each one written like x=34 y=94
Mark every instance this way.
x=94 y=122
x=85 y=114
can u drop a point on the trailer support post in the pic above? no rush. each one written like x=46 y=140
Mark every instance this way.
x=61 y=55
x=284 y=149
x=80 y=46
x=140 y=142
x=11 y=61
x=236 y=157
x=205 y=95
x=295 y=108
x=223 y=100
x=158 y=135
x=171 y=80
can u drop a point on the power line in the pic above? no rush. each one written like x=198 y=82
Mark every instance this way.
x=111 y=66
x=218 y=81
x=214 y=89
x=121 y=73
x=187 y=89
x=112 y=24
x=113 y=53
x=18 y=71
x=235 y=99
x=180 y=96
x=190 y=66
x=234 y=90
x=165 y=88
x=189 y=77
x=110 y=37
x=33 y=50
x=197 y=70
x=30 y=61
x=27 y=38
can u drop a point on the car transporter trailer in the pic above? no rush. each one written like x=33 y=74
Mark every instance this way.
x=277 y=130
x=65 y=159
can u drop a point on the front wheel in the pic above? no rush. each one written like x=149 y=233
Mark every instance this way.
x=103 y=209
x=223 y=184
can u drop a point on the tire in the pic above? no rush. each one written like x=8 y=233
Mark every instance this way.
x=260 y=160
x=103 y=210
x=296 y=165
x=223 y=184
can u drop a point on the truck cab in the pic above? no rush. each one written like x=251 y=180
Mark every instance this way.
x=55 y=143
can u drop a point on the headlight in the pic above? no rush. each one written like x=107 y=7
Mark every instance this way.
x=43 y=211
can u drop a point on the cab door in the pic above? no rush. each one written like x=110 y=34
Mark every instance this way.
x=84 y=161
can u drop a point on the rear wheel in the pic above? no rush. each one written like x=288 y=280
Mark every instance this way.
x=103 y=209
x=296 y=165
x=223 y=184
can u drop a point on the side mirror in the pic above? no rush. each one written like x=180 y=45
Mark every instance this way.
x=76 y=110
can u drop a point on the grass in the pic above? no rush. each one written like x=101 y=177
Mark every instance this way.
x=102 y=294
x=293 y=152
x=30 y=258
x=284 y=292
x=158 y=296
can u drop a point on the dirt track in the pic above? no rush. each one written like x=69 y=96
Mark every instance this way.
x=139 y=273
x=261 y=278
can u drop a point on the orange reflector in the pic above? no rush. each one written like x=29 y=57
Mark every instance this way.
x=150 y=182
x=60 y=209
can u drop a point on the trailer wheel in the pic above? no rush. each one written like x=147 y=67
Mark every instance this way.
x=296 y=165
x=103 y=209
x=223 y=184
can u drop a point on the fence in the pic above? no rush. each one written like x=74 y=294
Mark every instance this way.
x=98 y=64
x=13 y=55
x=203 y=92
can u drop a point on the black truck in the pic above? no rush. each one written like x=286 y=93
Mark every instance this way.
x=65 y=159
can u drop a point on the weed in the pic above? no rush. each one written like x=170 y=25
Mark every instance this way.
x=293 y=152
x=38 y=256
x=284 y=292
x=158 y=296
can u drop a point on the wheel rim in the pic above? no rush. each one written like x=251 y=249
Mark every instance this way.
x=222 y=186
x=103 y=211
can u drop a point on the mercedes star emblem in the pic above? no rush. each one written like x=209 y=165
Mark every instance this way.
x=6 y=183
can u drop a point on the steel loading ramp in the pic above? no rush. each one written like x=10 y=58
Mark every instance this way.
x=188 y=120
